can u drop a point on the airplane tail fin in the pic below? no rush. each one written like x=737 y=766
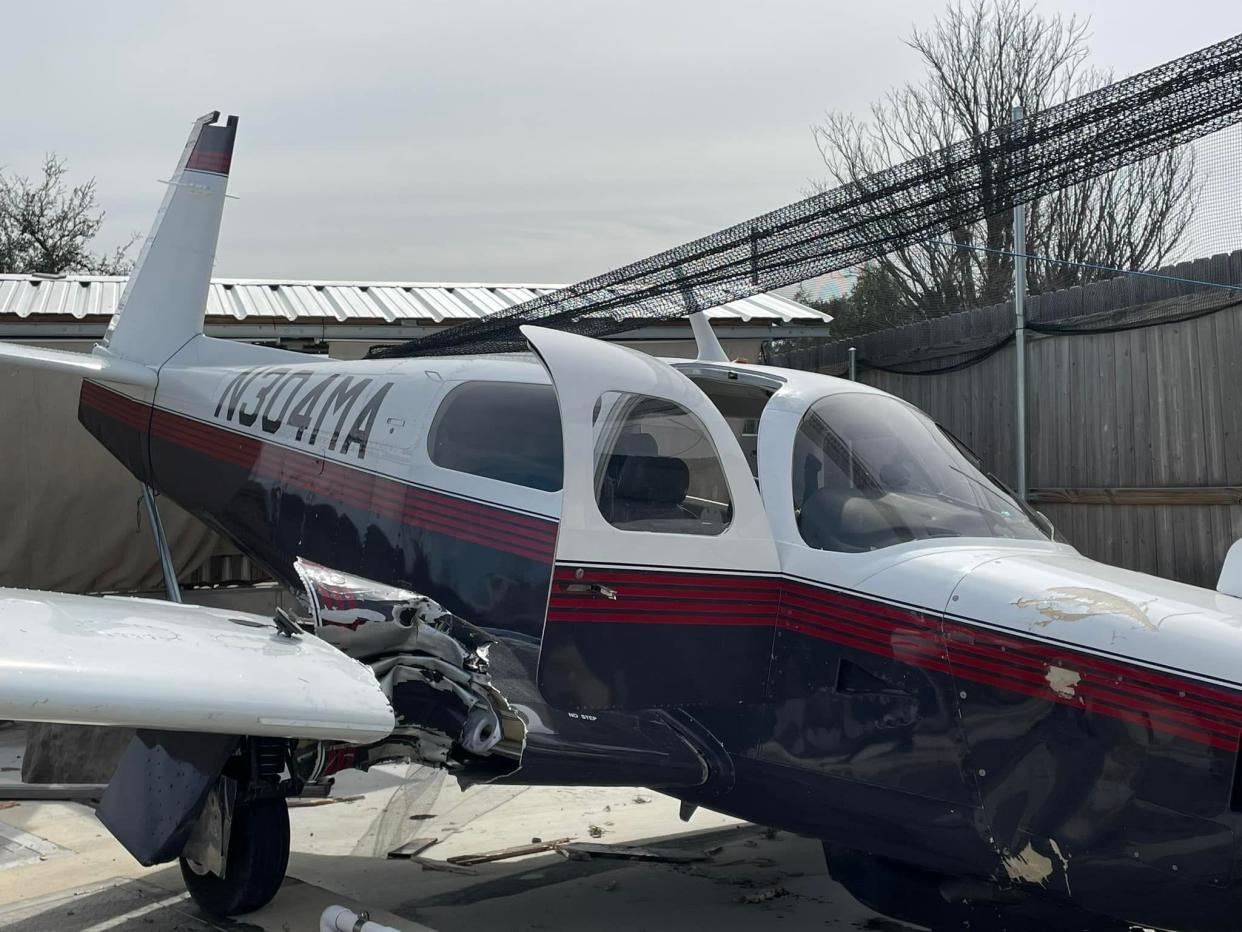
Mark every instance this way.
x=165 y=299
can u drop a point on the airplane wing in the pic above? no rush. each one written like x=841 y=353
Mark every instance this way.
x=142 y=663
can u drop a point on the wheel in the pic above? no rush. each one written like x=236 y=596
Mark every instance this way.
x=257 y=859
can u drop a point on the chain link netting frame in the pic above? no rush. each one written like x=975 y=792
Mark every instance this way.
x=1054 y=149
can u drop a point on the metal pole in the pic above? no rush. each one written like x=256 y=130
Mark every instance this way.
x=1019 y=328
x=853 y=365
x=161 y=545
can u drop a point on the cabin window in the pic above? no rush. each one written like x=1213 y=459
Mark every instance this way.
x=508 y=431
x=870 y=471
x=656 y=468
x=742 y=405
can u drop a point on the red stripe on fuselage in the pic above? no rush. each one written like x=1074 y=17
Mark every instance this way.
x=489 y=526
x=1164 y=702
x=366 y=490
x=1161 y=701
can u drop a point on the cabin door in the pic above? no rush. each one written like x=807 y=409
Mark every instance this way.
x=665 y=589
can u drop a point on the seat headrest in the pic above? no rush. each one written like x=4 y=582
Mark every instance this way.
x=634 y=444
x=656 y=480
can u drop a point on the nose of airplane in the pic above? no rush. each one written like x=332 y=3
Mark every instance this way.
x=1067 y=598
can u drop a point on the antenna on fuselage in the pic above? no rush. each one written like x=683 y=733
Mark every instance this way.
x=707 y=347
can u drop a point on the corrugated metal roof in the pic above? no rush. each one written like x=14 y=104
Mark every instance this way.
x=91 y=298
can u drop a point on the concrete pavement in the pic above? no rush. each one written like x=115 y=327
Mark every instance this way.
x=60 y=871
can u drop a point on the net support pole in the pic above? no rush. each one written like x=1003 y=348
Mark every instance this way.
x=161 y=545
x=1019 y=332
x=853 y=364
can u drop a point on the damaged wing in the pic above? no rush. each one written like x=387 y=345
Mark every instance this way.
x=141 y=663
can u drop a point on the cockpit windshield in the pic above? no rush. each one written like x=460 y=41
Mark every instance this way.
x=871 y=471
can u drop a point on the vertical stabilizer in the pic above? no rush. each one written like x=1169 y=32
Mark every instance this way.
x=164 y=302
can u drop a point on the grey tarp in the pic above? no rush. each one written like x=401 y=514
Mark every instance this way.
x=72 y=516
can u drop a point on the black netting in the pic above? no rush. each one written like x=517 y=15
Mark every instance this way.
x=1130 y=300
x=929 y=196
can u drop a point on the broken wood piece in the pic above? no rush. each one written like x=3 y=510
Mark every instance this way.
x=297 y=803
x=412 y=848
x=431 y=864
x=585 y=849
x=465 y=860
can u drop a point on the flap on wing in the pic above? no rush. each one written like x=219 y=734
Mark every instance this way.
x=142 y=663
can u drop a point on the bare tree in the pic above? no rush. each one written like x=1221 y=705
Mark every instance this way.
x=982 y=59
x=47 y=226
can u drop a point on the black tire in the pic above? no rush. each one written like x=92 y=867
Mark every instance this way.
x=257 y=860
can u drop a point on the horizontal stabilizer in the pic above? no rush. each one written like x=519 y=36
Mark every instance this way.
x=141 y=663
x=96 y=366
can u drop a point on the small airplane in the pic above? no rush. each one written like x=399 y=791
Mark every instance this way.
x=779 y=595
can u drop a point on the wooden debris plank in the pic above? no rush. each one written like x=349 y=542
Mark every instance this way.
x=412 y=848
x=633 y=852
x=466 y=860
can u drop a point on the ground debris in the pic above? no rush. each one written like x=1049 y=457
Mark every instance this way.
x=762 y=896
x=595 y=831
x=465 y=860
x=412 y=848
x=431 y=864
x=296 y=803
x=584 y=850
x=642 y=800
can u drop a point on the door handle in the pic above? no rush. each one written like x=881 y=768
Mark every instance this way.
x=593 y=588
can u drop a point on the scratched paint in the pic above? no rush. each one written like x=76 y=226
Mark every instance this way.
x=1064 y=859
x=1028 y=866
x=1074 y=603
x=1062 y=681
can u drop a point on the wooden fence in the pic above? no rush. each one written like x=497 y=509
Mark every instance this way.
x=1134 y=437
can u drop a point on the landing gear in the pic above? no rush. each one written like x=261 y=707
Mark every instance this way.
x=258 y=855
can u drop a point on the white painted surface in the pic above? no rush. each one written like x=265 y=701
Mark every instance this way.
x=145 y=663
x=163 y=302
x=1230 y=582
x=1097 y=607
x=398 y=445
x=98 y=365
x=582 y=370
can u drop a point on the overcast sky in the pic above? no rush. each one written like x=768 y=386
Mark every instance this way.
x=515 y=141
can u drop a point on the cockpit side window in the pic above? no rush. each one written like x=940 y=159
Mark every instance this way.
x=657 y=469
x=508 y=431
x=871 y=471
